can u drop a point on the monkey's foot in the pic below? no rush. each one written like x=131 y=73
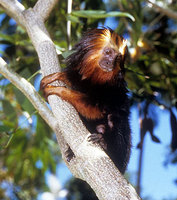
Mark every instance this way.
x=69 y=154
x=98 y=138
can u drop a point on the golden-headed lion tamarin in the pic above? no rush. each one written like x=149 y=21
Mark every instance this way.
x=97 y=89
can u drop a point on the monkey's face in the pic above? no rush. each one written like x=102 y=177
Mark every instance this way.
x=101 y=56
x=113 y=53
x=109 y=59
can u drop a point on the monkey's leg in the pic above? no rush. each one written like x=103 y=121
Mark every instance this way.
x=77 y=99
x=61 y=76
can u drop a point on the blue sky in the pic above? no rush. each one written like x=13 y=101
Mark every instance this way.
x=157 y=179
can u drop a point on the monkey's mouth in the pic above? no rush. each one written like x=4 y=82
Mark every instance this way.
x=107 y=67
x=108 y=64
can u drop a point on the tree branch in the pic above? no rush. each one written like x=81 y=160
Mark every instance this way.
x=69 y=10
x=29 y=91
x=14 y=9
x=43 y=9
x=164 y=11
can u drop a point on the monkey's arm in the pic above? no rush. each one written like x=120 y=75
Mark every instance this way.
x=60 y=76
x=77 y=99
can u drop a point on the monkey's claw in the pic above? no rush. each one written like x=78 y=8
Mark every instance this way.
x=69 y=154
x=98 y=138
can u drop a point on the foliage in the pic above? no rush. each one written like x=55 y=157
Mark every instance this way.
x=28 y=147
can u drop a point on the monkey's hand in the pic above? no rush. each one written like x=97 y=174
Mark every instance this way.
x=59 y=76
x=98 y=137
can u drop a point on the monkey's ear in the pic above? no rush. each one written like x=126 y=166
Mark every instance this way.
x=123 y=47
x=83 y=77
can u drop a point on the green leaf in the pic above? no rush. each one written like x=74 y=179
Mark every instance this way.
x=73 y=18
x=99 y=14
x=42 y=129
x=4 y=138
x=23 y=101
x=67 y=53
x=9 y=140
x=8 y=38
x=59 y=49
x=4 y=129
x=9 y=111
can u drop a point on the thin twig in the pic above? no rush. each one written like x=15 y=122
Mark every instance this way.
x=69 y=10
x=15 y=10
x=124 y=19
x=44 y=9
x=166 y=11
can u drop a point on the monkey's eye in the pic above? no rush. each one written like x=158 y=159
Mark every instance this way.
x=109 y=51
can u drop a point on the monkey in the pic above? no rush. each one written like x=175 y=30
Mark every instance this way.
x=96 y=87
